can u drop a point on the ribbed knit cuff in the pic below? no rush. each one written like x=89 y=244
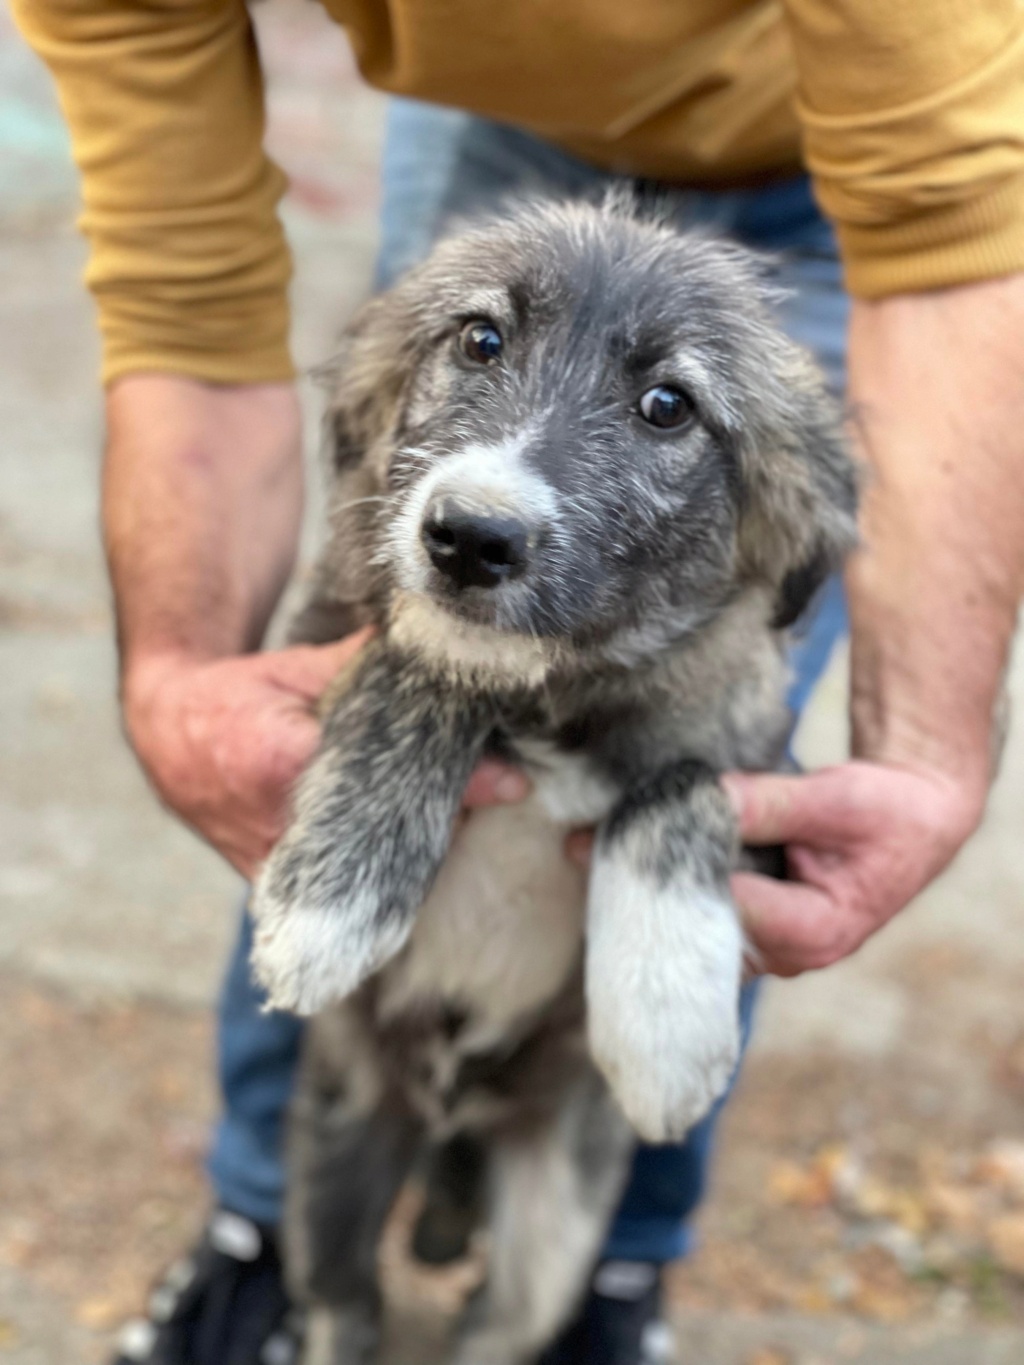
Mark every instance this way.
x=977 y=239
x=221 y=327
x=268 y=365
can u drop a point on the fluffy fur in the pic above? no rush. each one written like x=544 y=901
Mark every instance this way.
x=628 y=646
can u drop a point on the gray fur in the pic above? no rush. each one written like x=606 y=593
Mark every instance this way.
x=394 y=757
x=636 y=652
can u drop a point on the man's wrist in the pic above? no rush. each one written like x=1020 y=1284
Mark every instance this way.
x=202 y=505
x=901 y=715
x=146 y=676
x=922 y=710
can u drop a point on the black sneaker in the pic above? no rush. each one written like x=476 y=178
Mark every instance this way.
x=225 y=1304
x=620 y=1322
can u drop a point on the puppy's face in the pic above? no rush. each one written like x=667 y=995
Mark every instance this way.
x=564 y=450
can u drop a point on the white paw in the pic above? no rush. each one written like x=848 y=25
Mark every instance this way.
x=669 y=1079
x=664 y=967
x=307 y=956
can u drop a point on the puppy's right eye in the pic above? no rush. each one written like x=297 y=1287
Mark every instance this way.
x=481 y=342
x=664 y=406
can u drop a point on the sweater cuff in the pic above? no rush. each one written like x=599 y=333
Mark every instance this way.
x=975 y=239
x=267 y=365
x=239 y=345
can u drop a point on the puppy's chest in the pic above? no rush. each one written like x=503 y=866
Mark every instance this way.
x=568 y=785
x=502 y=929
x=498 y=943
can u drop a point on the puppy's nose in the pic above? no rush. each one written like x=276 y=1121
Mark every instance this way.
x=475 y=550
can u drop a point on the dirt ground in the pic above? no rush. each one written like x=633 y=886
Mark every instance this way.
x=868 y=1202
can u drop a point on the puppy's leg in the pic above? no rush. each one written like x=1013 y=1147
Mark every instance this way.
x=553 y=1193
x=350 y=1147
x=452 y=1208
x=665 y=951
x=373 y=819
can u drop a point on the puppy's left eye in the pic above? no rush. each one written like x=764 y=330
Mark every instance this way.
x=666 y=407
x=481 y=342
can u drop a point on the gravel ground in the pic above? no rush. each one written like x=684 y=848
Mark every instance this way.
x=869 y=1199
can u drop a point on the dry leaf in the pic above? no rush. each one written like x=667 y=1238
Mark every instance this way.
x=955 y=1207
x=909 y=1211
x=802 y=1187
x=815 y=1299
x=884 y=1304
x=1002 y=1166
x=1006 y=1238
x=98 y=1314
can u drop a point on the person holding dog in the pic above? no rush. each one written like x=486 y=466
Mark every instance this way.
x=904 y=267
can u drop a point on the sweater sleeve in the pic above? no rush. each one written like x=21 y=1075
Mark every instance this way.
x=913 y=124
x=187 y=261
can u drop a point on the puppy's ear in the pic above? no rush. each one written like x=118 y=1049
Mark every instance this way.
x=367 y=377
x=800 y=485
x=799 y=588
x=365 y=382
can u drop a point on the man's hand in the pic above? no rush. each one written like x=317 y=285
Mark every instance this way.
x=225 y=741
x=861 y=840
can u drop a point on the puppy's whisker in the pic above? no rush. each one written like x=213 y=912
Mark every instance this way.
x=362 y=502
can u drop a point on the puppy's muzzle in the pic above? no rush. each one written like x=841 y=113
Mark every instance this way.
x=475 y=549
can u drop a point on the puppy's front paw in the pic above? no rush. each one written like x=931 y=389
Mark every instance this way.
x=315 y=944
x=664 y=965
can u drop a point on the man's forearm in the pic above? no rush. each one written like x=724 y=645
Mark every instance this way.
x=937 y=390
x=202 y=500
x=202 y=497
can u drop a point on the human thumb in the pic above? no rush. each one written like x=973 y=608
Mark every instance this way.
x=771 y=808
x=309 y=669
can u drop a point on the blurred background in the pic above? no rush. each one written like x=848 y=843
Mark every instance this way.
x=869 y=1199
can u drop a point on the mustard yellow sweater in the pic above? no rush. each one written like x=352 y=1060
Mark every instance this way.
x=908 y=113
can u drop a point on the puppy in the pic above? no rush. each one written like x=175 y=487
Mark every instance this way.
x=582 y=484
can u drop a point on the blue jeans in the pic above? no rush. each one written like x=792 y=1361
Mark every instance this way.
x=438 y=165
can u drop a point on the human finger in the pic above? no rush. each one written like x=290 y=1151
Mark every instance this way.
x=791 y=927
x=579 y=847
x=494 y=783
x=781 y=808
x=309 y=669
